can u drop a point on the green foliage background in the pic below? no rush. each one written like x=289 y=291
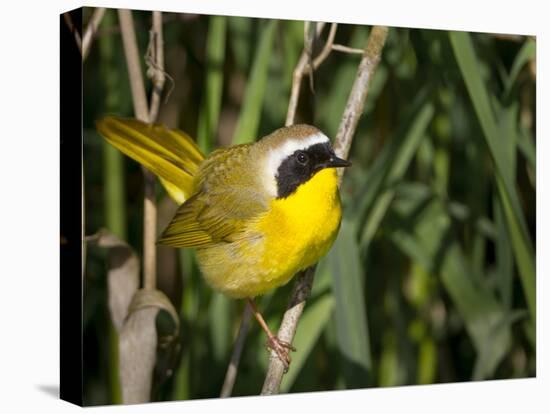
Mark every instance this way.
x=432 y=277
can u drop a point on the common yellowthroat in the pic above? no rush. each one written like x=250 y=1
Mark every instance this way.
x=256 y=213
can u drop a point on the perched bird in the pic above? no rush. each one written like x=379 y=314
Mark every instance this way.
x=256 y=213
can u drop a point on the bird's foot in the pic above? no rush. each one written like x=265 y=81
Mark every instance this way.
x=281 y=348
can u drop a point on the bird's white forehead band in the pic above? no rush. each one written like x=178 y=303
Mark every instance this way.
x=277 y=155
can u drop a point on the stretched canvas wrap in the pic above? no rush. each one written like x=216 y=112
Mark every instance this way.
x=431 y=277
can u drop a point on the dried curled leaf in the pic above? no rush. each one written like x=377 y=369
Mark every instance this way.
x=138 y=343
x=123 y=274
x=137 y=348
x=134 y=313
x=145 y=298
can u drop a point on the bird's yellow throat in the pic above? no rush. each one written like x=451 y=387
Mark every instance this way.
x=300 y=228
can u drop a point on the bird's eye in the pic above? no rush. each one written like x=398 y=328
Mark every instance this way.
x=302 y=157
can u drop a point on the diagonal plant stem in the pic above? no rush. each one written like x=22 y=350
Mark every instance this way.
x=350 y=118
x=356 y=100
x=85 y=42
x=306 y=65
x=232 y=369
x=74 y=31
x=91 y=30
x=347 y=49
x=326 y=49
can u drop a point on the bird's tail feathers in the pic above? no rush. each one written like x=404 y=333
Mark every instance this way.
x=169 y=153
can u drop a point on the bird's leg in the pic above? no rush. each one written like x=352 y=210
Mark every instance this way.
x=280 y=347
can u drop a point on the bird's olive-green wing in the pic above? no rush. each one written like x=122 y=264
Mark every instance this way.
x=228 y=198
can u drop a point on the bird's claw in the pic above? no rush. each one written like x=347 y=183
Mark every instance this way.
x=281 y=348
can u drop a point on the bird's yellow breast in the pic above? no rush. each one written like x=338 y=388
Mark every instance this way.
x=292 y=235
x=300 y=228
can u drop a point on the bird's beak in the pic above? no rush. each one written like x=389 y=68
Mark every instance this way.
x=336 y=162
